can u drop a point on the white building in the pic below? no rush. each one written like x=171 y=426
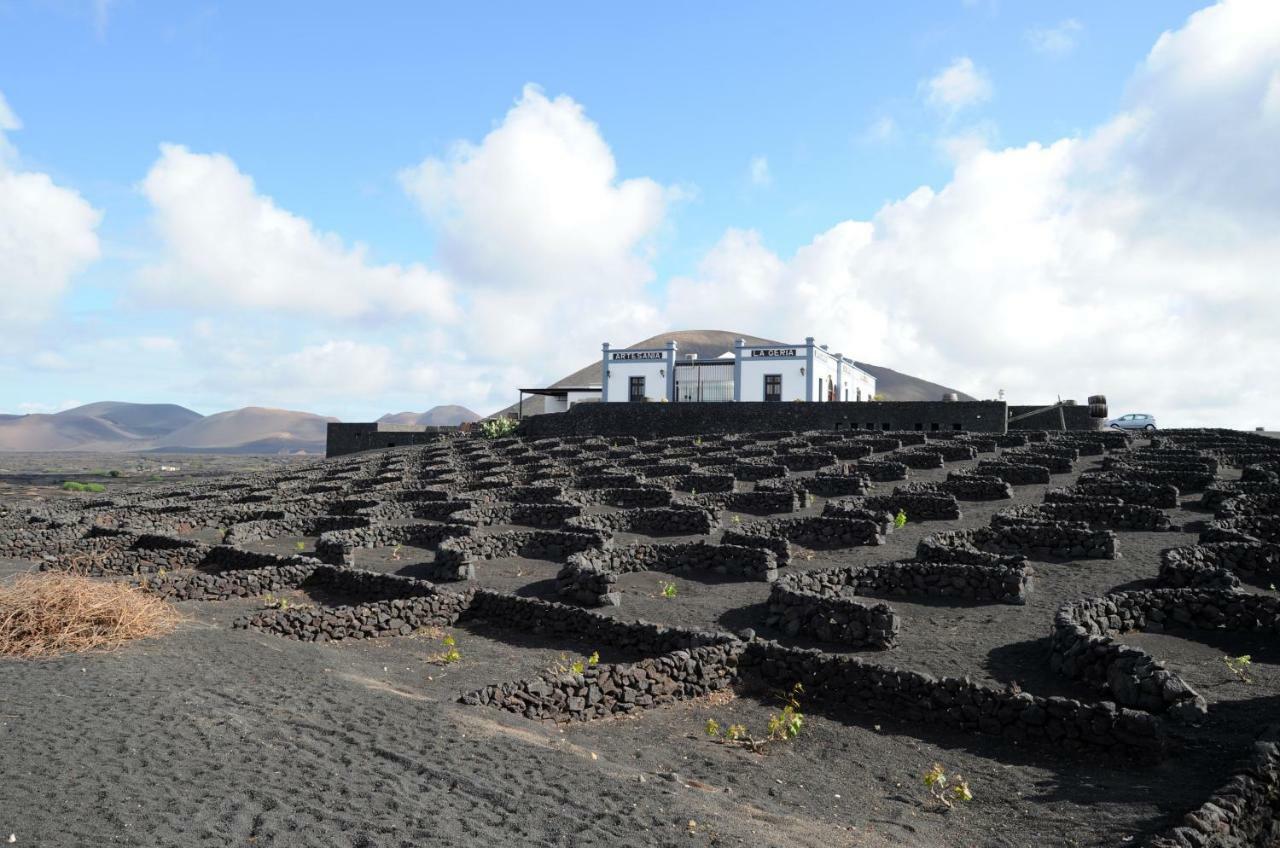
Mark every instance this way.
x=801 y=372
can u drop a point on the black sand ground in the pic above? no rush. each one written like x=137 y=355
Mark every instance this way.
x=214 y=736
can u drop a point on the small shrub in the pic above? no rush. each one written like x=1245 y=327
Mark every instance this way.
x=113 y=473
x=450 y=654
x=669 y=590
x=497 y=428
x=946 y=790
x=1239 y=666
x=900 y=520
x=71 y=486
x=782 y=727
x=299 y=546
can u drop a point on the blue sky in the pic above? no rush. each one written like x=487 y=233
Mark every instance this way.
x=754 y=130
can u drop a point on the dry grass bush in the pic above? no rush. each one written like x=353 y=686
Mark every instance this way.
x=47 y=614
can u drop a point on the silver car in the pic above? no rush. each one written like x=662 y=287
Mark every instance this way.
x=1133 y=421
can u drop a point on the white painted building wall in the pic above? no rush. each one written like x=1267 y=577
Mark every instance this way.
x=807 y=371
x=788 y=362
x=621 y=365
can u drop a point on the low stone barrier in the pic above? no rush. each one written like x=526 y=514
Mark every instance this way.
x=762 y=502
x=702 y=482
x=831 y=617
x=143 y=553
x=291 y=573
x=752 y=471
x=603 y=690
x=590 y=577
x=1016 y=473
x=337 y=547
x=456 y=557
x=1186 y=480
x=1043 y=541
x=1098 y=513
x=815 y=533
x=625 y=498
x=1222 y=491
x=1249 y=504
x=1055 y=462
x=1221 y=564
x=918 y=506
x=670 y=521
x=397 y=606
x=1159 y=495
x=920 y=458
x=841 y=685
x=806 y=460
x=967 y=487
x=252 y=531
x=1244 y=813
x=1244 y=528
x=1085 y=647
x=881 y=470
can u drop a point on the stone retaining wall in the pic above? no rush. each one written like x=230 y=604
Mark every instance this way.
x=841 y=685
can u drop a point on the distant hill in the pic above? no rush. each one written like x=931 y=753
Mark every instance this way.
x=112 y=426
x=238 y=427
x=437 y=416
x=104 y=426
x=708 y=344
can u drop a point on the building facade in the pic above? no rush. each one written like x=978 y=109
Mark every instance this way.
x=800 y=372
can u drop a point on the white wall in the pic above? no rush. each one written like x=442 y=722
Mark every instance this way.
x=579 y=397
x=755 y=368
x=621 y=372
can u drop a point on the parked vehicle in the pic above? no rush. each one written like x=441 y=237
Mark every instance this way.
x=1133 y=421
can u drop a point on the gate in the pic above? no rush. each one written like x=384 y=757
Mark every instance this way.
x=701 y=382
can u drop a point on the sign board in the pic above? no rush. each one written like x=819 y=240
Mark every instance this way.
x=775 y=352
x=639 y=354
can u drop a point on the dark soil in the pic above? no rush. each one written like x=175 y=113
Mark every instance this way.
x=214 y=736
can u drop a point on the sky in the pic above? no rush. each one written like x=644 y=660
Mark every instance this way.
x=354 y=209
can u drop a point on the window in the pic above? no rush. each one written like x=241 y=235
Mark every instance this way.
x=773 y=387
x=636 y=389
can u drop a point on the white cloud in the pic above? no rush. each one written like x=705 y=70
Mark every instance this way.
x=228 y=246
x=1137 y=260
x=48 y=234
x=759 y=171
x=1057 y=40
x=959 y=85
x=549 y=243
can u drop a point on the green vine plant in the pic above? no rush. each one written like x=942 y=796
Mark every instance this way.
x=450 y=654
x=668 y=590
x=900 y=520
x=1239 y=666
x=397 y=552
x=497 y=428
x=782 y=726
x=946 y=789
x=577 y=665
x=270 y=601
x=299 y=546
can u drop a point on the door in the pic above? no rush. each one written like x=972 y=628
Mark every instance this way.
x=773 y=387
x=636 y=386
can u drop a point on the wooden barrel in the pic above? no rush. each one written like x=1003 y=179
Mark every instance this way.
x=1097 y=399
x=1098 y=410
